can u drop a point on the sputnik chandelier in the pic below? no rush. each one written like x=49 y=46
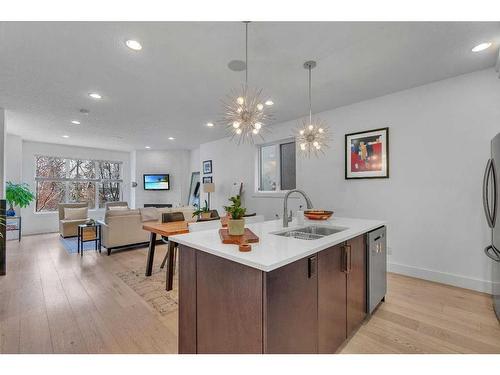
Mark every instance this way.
x=245 y=112
x=313 y=136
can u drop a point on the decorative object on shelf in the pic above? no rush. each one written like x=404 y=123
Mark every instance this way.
x=208 y=188
x=90 y=222
x=194 y=190
x=318 y=214
x=236 y=222
x=245 y=111
x=134 y=184
x=367 y=154
x=207 y=167
x=313 y=135
x=18 y=195
x=203 y=212
x=207 y=180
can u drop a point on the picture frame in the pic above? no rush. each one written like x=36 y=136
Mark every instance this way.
x=207 y=180
x=367 y=154
x=207 y=167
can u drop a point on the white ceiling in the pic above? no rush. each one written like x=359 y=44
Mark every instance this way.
x=174 y=85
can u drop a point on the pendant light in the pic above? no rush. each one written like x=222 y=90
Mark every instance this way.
x=245 y=112
x=313 y=134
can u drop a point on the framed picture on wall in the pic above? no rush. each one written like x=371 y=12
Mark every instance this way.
x=207 y=167
x=207 y=180
x=367 y=154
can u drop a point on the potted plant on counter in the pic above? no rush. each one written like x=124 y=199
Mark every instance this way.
x=236 y=222
x=17 y=195
x=203 y=212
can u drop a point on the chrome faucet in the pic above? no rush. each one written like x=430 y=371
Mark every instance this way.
x=286 y=218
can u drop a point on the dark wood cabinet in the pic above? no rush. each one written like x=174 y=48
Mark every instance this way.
x=229 y=306
x=356 y=283
x=291 y=308
x=309 y=306
x=332 y=310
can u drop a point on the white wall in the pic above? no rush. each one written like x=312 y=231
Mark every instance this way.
x=174 y=162
x=14 y=158
x=2 y=153
x=439 y=143
x=45 y=222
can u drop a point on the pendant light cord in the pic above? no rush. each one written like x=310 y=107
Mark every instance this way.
x=310 y=106
x=246 y=54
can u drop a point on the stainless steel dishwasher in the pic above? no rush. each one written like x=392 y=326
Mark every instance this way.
x=376 y=268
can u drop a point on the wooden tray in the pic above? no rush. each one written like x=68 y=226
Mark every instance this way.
x=248 y=237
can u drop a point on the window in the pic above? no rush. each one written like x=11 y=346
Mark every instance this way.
x=64 y=180
x=277 y=166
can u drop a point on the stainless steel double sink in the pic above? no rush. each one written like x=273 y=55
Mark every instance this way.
x=310 y=232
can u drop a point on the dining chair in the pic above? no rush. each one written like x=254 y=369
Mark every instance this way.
x=169 y=217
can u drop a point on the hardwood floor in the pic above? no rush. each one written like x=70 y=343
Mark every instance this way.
x=54 y=302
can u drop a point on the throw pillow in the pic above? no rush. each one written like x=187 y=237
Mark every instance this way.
x=118 y=208
x=75 y=213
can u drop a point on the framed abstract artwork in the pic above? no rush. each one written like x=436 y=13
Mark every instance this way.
x=207 y=167
x=367 y=154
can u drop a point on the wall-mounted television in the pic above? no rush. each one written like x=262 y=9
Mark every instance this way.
x=160 y=181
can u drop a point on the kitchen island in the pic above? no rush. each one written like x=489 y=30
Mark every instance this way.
x=288 y=295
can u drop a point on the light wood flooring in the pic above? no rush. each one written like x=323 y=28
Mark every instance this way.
x=54 y=302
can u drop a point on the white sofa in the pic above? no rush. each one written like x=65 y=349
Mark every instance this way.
x=123 y=227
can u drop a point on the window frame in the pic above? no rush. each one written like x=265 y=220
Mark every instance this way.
x=67 y=180
x=258 y=181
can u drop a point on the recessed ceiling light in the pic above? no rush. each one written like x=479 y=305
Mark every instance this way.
x=65 y=136
x=148 y=147
x=269 y=102
x=76 y=122
x=210 y=124
x=133 y=44
x=95 y=95
x=481 y=47
x=171 y=138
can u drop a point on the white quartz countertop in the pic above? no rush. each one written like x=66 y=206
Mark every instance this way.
x=274 y=251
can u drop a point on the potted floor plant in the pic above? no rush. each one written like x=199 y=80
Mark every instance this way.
x=236 y=222
x=17 y=195
x=203 y=212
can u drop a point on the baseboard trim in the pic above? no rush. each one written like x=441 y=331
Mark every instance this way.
x=442 y=277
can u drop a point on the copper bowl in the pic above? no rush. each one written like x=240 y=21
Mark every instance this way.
x=318 y=214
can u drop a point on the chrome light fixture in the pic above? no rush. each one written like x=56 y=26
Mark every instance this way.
x=313 y=135
x=244 y=111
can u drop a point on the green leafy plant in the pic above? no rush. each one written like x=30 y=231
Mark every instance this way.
x=235 y=210
x=201 y=210
x=18 y=195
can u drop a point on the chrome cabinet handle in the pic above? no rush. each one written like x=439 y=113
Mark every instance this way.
x=486 y=202
x=495 y=257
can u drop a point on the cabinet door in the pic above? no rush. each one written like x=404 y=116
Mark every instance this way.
x=229 y=306
x=291 y=308
x=356 y=283
x=331 y=299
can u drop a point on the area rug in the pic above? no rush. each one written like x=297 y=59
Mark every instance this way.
x=152 y=288
x=71 y=245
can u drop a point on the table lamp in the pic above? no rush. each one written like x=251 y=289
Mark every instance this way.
x=209 y=188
